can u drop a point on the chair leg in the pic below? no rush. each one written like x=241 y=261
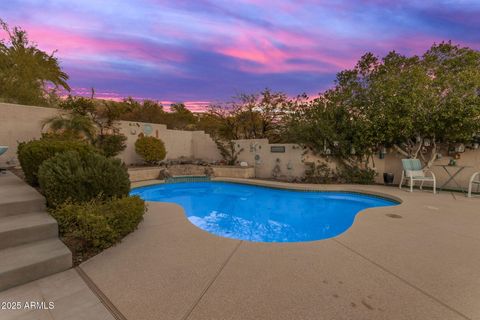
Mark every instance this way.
x=434 y=186
x=401 y=179
x=411 y=185
x=470 y=185
x=421 y=185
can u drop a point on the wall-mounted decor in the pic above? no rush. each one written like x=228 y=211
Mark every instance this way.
x=147 y=129
x=460 y=148
x=257 y=159
x=277 y=149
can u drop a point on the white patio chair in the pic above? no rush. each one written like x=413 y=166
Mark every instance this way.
x=472 y=182
x=3 y=149
x=413 y=171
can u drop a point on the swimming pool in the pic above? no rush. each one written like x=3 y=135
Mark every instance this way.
x=263 y=214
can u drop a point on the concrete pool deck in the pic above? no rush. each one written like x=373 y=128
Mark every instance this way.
x=418 y=260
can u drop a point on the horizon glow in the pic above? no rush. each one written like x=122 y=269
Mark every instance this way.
x=202 y=51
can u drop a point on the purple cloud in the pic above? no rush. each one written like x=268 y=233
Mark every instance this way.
x=205 y=51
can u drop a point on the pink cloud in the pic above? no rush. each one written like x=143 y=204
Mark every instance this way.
x=278 y=51
x=72 y=44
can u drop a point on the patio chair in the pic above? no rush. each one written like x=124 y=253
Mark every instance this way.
x=413 y=171
x=3 y=149
x=472 y=182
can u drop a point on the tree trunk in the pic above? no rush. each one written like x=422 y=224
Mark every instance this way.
x=433 y=155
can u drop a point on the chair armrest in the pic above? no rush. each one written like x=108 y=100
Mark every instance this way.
x=431 y=172
x=472 y=178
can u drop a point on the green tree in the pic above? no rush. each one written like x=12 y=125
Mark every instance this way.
x=71 y=125
x=28 y=75
x=414 y=104
x=90 y=119
x=146 y=111
x=180 y=118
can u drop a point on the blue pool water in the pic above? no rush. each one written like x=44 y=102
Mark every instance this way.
x=263 y=214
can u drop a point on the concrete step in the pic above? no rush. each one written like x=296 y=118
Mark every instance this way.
x=17 y=197
x=24 y=228
x=28 y=262
x=18 y=207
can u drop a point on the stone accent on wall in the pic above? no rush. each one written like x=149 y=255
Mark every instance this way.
x=187 y=170
x=234 y=172
x=143 y=174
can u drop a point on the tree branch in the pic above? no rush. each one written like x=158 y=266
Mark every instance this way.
x=400 y=150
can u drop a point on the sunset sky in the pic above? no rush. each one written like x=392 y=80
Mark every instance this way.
x=201 y=51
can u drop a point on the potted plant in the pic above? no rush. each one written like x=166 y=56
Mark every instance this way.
x=388 y=178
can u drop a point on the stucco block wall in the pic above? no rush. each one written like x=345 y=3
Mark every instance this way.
x=204 y=147
x=178 y=143
x=291 y=164
x=23 y=123
x=20 y=123
x=257 y=153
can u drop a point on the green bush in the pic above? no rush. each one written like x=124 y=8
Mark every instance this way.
x=319 y=173
x=151 y=149
x=82 y=177
x=352 y=174
x=33 y=153
x=96 y=225
x=111 y=144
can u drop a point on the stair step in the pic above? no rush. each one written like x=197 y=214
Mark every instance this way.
x=17 y=197
x=28 y=262
x=24 y=228
x=19 y=207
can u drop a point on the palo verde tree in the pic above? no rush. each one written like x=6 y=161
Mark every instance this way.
x=28 y=75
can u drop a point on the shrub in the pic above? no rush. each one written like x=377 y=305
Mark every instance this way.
x=320 y=173
x=33 y=153
x=151 y=149
x=352 y=174
x=111 y=144
x=228 y=151
x=82 y=177
x=95 y=225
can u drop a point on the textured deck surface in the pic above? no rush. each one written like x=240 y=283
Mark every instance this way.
x=418 y=260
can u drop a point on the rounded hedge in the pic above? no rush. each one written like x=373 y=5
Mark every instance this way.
x=80 y=177
x=33 y=153
x=96 y=225
x=151 y=149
